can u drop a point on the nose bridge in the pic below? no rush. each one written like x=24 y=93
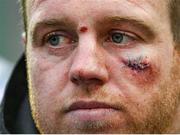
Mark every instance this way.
x=88 y=52
x=88 y=63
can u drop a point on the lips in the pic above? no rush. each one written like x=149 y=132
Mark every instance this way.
x=82 y=105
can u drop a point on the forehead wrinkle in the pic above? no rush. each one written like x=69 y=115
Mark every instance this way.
x=134 y=2
x=151 y=3
x=32 y=5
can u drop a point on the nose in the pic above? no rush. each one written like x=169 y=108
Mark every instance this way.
x=88 y=66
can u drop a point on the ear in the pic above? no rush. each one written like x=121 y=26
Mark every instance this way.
x=24 y=38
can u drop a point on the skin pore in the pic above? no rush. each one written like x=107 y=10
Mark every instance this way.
x=97 y=67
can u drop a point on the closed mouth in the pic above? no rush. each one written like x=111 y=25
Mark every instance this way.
x=84 y=105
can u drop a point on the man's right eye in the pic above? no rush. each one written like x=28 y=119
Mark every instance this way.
x=57 y=40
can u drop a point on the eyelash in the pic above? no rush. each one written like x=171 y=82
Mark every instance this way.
x=129 y=37
x=61 y=40
x=56 y=34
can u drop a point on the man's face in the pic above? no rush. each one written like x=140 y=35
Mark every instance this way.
x=101 y=66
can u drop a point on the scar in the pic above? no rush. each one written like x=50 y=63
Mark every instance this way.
x=83 y=29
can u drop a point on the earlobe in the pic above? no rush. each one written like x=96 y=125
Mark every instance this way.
x=24 y=39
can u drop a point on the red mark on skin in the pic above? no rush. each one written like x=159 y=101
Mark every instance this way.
x=140 y=70
x=83 y=29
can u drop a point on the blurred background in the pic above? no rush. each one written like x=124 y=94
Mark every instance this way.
x=11 y=46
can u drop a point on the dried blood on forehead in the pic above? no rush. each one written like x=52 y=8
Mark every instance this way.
x=83 y=29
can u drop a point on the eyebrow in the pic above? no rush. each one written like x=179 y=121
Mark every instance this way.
x=63 y=23
x=68 y=24
x=130 y=21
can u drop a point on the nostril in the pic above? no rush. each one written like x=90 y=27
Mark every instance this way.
x=75 y=79
x=78 y=79
x=94 y=81
x=86 y=75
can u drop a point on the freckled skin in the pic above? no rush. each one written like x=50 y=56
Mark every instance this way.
x=137 y=78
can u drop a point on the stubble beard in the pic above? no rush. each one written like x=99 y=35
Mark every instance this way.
x=160 y=113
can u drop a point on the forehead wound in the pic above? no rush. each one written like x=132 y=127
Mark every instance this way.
x=83 y=29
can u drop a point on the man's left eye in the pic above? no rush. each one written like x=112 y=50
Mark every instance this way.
x=120 y=38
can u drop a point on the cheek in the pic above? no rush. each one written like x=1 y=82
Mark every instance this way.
x=138 y=71
x=141 y=71
x=139 y=66
x=48 y=78
x=48 y=81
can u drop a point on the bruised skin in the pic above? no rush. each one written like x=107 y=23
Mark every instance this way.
x=141 y=69
x=138 y=64
x=142 y=88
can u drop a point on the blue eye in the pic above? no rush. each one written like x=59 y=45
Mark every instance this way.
x=121 y=38
x=54 y=40
x=57 y=39
x=117 y=37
